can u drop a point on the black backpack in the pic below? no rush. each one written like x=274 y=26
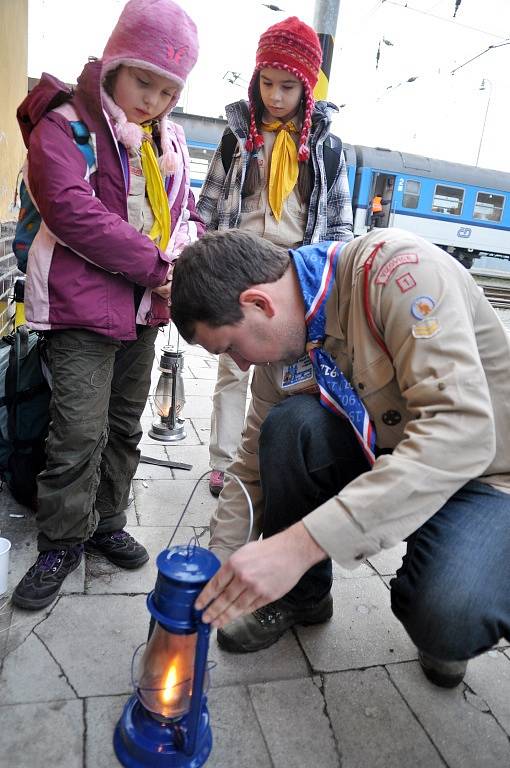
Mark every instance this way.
x=24 y=413
x=332 y=153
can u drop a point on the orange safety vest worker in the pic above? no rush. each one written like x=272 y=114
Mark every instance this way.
x=377 y=204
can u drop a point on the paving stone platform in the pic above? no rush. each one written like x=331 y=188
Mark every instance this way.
x=346 y=695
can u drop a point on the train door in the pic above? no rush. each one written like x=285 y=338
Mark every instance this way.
x=381 y=209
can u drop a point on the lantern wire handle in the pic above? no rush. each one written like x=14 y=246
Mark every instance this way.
x=135 y=682
x=243 y=488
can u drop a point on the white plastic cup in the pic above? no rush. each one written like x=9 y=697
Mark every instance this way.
x=5 y=546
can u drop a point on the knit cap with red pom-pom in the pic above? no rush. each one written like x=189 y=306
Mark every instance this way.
x=293 y=46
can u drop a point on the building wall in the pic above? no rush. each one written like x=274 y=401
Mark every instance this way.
x=13 y=89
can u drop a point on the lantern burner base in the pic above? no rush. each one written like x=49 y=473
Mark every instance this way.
x=162 y=432
x=141 y=741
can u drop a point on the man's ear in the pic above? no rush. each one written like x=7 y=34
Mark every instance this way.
x=255 y=298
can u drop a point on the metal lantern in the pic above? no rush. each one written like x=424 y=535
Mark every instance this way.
x=169 y=398
x=166 y=723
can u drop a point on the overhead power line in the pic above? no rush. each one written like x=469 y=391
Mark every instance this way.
x=454 y=21
x=473 y=58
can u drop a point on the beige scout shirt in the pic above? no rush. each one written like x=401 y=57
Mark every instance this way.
x=140 y=214
x=257 y=216
x=448 y=379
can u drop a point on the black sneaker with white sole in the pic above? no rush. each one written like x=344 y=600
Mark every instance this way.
x=41 y=583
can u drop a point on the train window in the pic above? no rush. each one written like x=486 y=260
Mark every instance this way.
x=411 y=194
x=488 y=207
x=199 y=162
x=448 y=200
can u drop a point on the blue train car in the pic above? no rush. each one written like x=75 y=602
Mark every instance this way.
x=463 y=209
x=350 y=161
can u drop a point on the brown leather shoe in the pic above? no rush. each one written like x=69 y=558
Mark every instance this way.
x=266 y=625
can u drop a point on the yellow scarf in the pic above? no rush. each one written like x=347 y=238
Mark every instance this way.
x=284 y=165
x=156 y=192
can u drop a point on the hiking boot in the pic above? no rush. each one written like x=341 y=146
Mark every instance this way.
x=41 y=583
x=119 y=548
x=216 y=482
x=446 y=674
x=266 y=625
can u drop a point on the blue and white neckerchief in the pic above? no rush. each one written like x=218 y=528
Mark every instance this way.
x=316 y=268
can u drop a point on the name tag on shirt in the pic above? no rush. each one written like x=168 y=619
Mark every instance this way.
x=297 y=373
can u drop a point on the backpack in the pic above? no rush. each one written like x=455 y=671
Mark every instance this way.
x=24 y=413
x=29 y=218
x=332 y=153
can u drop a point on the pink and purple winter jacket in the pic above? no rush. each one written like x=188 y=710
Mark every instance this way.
x=86 y=258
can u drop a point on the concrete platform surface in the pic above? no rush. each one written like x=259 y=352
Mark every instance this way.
x=349 y=694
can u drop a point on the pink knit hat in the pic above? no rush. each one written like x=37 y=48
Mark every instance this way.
x=156 y=35
x=293 y=46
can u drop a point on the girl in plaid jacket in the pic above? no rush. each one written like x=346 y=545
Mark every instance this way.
x=273 y=184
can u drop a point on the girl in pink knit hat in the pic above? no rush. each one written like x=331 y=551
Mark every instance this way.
x=109 y=174
x=280 y=174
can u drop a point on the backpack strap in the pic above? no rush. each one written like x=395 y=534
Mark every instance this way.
x=332 y=154
x=82 y=138
x=228 y=145
x=80 y=131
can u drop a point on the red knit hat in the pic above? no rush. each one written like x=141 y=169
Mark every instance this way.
x=294 y=46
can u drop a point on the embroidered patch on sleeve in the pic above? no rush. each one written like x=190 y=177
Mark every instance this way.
x=405 y=282
x=388 y=269
x=422 y=307
x=297 y=373
x=426 y=329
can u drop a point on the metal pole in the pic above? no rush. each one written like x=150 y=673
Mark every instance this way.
x=324 y=22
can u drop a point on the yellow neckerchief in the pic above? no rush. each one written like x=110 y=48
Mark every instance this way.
x=156 y=192
x=284 y=165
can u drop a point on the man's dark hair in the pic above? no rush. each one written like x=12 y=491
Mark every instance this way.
x=211 y=274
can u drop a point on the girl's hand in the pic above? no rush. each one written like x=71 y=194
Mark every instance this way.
x=165 y=289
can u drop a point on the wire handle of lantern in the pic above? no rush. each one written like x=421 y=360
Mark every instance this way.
x=135 y=682
x=243 y=488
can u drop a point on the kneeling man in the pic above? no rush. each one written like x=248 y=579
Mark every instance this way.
x=380 y=412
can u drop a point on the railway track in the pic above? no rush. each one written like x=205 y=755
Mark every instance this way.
x=498 y=296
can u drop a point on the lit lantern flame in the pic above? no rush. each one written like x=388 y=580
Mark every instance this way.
x=165 y=680
x=170 y=694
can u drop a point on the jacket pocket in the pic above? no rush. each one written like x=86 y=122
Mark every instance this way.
x=373 y=377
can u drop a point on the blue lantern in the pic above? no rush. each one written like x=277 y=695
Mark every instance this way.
x=166 y=724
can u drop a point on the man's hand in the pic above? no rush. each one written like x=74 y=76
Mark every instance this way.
x=257 y=574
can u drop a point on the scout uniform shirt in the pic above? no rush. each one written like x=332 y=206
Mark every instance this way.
x=430 y=359
x=256 y=214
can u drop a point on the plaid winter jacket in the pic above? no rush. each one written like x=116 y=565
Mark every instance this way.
x=329 y=212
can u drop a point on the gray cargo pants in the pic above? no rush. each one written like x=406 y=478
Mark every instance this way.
x=100 y=387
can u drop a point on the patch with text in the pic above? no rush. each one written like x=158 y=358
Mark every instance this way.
x=388 y=269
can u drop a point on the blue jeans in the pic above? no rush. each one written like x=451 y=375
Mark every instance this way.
x=452 y=593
